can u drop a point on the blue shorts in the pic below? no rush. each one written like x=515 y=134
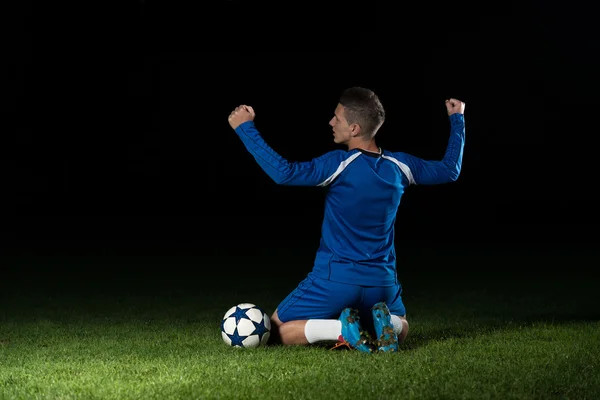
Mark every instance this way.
x=317 y=298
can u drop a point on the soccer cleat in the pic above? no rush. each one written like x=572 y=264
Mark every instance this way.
x=353 y=334
x=387 y=340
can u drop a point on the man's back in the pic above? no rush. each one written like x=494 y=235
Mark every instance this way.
x=357 y=243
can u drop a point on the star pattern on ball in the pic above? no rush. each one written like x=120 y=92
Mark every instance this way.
x=236 y=339
x=239 y=314
x=236 y=317
x=261 y=329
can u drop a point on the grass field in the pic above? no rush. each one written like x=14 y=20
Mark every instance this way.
x=484 y=325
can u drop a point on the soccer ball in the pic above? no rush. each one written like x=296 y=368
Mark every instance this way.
x=245 y=325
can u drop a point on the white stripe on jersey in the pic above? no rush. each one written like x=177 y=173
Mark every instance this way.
x=339 y=170
x=403 y=167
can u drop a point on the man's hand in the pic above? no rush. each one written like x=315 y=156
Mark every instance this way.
x=241 y=114
x=454 y=106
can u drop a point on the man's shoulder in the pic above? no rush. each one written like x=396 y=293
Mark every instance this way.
x=337 y=154
x=399 y=155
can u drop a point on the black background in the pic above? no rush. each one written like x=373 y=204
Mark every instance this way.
x=115 y=125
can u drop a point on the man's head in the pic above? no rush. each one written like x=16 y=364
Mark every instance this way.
x=359 y=115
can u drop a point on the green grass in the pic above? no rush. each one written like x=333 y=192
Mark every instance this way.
x=492 y=333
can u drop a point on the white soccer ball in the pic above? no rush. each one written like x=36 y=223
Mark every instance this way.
x=245 y=325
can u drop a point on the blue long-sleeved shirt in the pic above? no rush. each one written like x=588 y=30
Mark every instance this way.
x=363 y=195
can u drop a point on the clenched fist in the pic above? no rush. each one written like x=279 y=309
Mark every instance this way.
x=454 y=106
x=240 y=115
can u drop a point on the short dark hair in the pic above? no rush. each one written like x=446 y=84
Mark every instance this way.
x=362 y=107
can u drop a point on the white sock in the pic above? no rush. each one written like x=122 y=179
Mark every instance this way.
x=397 y=324
x=317 y=330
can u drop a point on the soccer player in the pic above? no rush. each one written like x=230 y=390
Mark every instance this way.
x=353 y=282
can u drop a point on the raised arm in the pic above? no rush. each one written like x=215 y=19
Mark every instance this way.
x=426 y=172
x=282 y=171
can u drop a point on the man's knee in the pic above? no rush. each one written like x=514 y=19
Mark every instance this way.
x=275 y=321
x=275 y=328
x=287 y=333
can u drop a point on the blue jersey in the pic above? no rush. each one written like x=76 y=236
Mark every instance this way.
x=363 y=195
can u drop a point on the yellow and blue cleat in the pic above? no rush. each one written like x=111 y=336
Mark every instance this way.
x=353 y=335
x=387 y=340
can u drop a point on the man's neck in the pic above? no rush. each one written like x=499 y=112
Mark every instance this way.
x=368 y=146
